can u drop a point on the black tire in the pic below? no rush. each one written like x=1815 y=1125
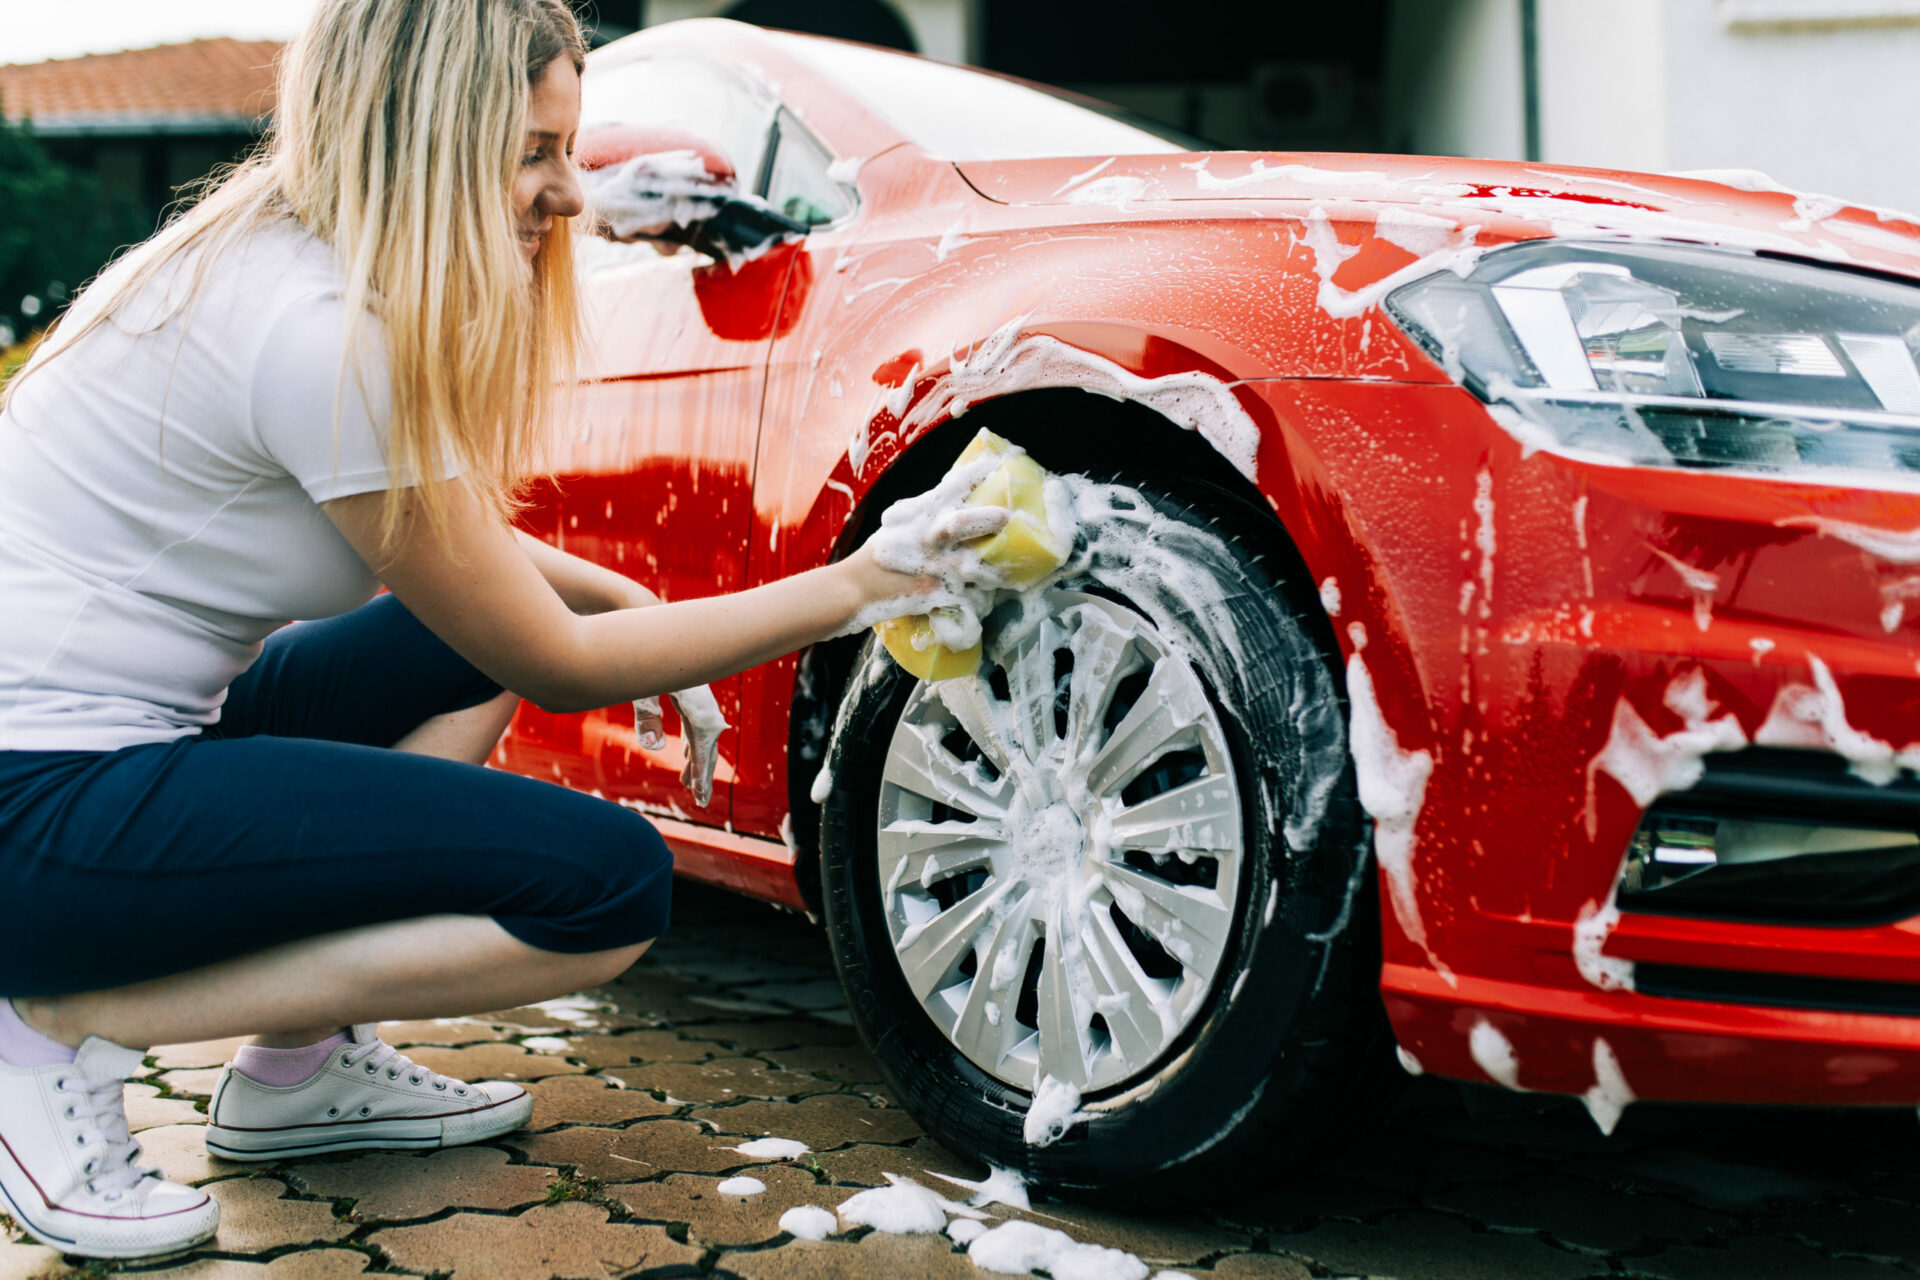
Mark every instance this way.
x=1291 y=1045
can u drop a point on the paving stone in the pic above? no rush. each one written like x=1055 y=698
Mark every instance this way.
x=778 y=1033
x=1719 y=1184
x=1257 y=1266
x=645 y=1149
x=23 y=1261
x=494 y=1062
x=820 y=993
x=146 y=1109
x=630 y=1048
x=196 y=1083
x=1169 y=1240
x=877 y=1256
x=589 y=1100
x=722 y=1080
x=730 y=970
x=444 y=1032
x=255 y=1217
x=1876 y=1228
x=1298 y=1203
x=562 y=1240
x=847 y=1063
x=823 y=1122
x=524 y=1020
x=1758 y=1259
x=1579 y=1213
x=180 y=1152
x=716 y=1219
x=313 y=1264
x=655 y=998
x=390 y=1186
x=204 y=1053
x=1429 y=1247
x=867 y=1165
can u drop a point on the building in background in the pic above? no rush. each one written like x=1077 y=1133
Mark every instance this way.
x=146 y=122
x=1820 y=94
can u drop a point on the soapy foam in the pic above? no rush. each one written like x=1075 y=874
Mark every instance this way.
x=1393 y=787
x=1897 y=546
x=1054 y=1110
x=1610 y=1094
x=1000 y=1186
x=1591 y=929
x=1018 y=1248
x=1493 y=1053
x=1006 y=362
x=808 y=1222
x=741 y=1186
x=773 y=1149
x=1816 y=717
x=1329 y=254
x=902 y=1208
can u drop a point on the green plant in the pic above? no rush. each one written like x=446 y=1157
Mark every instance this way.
x=57 y=231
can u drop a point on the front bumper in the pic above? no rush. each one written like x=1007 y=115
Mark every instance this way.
x=1559 y=638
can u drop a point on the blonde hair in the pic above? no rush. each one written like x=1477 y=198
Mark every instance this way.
x=398 y=132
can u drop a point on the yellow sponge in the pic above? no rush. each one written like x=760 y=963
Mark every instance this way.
x=1026 y=550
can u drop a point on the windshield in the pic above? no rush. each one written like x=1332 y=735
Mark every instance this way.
x=967 y=115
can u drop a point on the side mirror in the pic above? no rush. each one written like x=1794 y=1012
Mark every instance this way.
x=673 y=187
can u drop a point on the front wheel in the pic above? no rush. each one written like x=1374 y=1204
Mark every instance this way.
x=1101 y=909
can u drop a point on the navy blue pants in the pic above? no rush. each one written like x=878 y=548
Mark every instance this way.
x=291 y=818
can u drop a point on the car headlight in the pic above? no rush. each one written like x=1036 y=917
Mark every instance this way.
x=1663 y=355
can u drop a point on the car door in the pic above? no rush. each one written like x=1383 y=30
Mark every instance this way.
x=653 y=473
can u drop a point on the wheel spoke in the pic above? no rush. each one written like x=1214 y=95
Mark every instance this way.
x=1062 y=1026
x=1136 y=1011
x=1191 y=923
x=1100 y=652
x=918 y=763
x=1169 y=708
x=986 y=1029
x=925 y=853
x=1202 y=816
x=1029 y=668
x=928 y=956
x=981 y=716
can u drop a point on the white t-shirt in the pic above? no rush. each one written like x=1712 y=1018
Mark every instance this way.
x=159 y=496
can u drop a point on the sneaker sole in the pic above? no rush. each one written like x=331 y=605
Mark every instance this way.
x=424 y=1133
x=79 y=1246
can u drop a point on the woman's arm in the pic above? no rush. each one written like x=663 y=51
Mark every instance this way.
x=582 y=585
x=481 y=592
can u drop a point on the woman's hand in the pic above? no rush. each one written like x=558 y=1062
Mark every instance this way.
x=701 y=724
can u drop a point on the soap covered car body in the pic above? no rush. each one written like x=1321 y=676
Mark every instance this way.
x=1491 y=633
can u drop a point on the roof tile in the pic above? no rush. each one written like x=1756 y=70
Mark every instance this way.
x=220 y=77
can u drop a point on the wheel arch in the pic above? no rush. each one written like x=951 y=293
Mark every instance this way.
x=1064 y=428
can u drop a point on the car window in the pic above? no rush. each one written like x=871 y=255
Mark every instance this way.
x=799 y=184
x=966 y=115
x=688 y=92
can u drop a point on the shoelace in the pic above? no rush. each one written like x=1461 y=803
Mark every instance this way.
x=110 y=1171
x=376 y=1054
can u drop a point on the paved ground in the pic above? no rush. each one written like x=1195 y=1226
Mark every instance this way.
x=732 y=1029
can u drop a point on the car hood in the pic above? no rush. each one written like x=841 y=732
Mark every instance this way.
x=1739 y=207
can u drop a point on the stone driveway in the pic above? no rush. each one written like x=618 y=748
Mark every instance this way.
x=733 y=1029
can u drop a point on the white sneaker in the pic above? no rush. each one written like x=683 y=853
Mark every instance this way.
x=369 y=1097
x=67 y=1163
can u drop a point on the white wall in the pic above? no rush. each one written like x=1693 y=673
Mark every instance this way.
x=1829 y=106
x=1453 y=84
x=942 y=28
x=1603 y=83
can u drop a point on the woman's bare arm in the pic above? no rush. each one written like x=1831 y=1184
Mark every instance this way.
x=481 y=592
x=582 y=585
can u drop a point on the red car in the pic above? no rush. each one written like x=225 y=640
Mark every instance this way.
x=1490 y=630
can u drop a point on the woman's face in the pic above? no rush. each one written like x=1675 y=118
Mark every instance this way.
x=547 y=185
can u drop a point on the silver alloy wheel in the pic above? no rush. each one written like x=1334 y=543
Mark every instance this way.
x=1060 y=848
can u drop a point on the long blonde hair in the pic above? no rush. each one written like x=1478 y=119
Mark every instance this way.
x=397 y=134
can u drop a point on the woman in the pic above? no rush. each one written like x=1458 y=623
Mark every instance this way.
x=339 y=359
